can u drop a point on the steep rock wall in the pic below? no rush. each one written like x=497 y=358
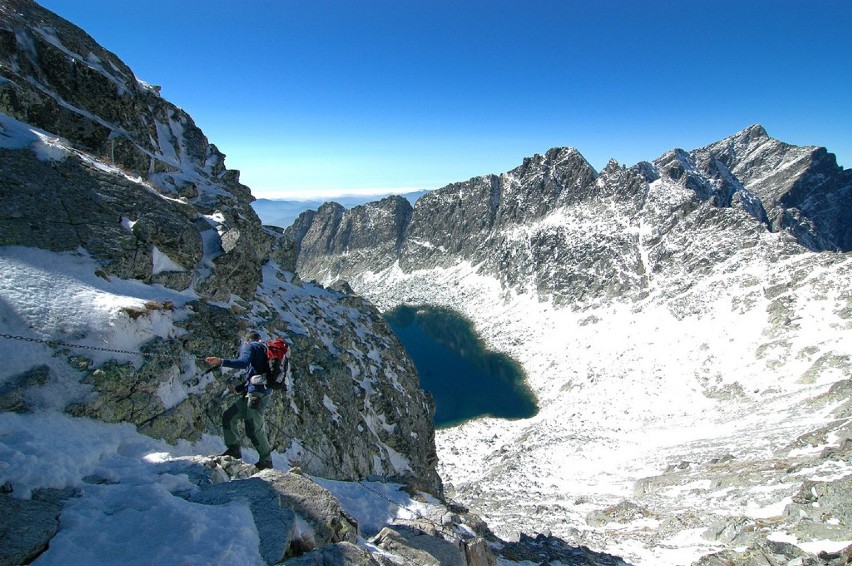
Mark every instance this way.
x=94 y=164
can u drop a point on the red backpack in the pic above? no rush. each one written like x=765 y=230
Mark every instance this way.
x=278 y=359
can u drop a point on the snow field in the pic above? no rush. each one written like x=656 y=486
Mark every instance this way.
x=627 y=390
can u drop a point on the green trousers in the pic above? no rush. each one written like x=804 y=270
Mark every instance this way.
x=254 y=423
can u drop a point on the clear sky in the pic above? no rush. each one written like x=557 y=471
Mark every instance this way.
x=342 y=96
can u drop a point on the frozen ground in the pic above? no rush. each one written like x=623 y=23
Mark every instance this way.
x=130 y=491
x=633 y=391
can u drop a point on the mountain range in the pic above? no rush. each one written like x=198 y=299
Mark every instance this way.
x=684 y=324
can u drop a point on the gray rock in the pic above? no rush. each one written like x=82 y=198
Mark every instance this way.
x=765 y=553
x=624 y=512
x=413 y=546
x=373 y=233
x=339 y=554
x=317 y=506
x=60 y=80
x=478 y=553
x=543 y=549
x=27 y=525
x=26 y=528
x=275 y=525
x=13 y=391
x=822 y=510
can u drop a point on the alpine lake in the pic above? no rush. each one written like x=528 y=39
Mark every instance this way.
x=464 y=378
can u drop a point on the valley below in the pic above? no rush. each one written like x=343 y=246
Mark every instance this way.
x=683 y=325
x=668 y=430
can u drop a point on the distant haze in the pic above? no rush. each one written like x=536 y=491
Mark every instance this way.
x=282 y=213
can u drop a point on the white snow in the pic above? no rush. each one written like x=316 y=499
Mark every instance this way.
x=331 y=408
x=627 y=389
x=129 y=507
x=163 y=263
x=376 y=504
x=59 y=297
x=18 y=135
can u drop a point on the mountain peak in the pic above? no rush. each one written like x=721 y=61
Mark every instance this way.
x=755 y=130
x=752 y=136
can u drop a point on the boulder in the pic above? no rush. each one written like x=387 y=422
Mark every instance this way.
x=543 y=549
x=275 y=525
x=13 y=391
x=414 y=546
x=339 y=554
x=327 y=522
x=27 y=525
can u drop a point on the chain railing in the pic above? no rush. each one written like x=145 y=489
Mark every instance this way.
x=80 y=346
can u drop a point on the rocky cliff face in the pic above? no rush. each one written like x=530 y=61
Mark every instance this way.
x=555 y=227
x=341 y=239
x=58 y=79
x=684 y=324
x=94 y=162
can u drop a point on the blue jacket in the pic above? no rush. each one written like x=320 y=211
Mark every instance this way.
x=253 y=358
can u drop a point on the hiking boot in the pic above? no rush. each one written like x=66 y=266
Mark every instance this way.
x=233 y=452
x=264 y=465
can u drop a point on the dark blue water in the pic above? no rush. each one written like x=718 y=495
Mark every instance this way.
x=465 y=379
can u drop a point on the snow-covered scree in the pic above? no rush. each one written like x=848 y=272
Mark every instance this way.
x=136 y=502
x=626 y=391
x=131 y=496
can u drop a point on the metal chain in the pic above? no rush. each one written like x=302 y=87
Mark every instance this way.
x=84 y=347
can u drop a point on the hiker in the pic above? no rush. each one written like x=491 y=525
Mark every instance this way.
x=253 y=399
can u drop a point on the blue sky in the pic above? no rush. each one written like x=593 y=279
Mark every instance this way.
x=333 y=97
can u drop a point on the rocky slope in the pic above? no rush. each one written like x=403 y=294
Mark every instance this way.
x=130 y=179
x=517 y=225
x=128 y=251
x=683 y=322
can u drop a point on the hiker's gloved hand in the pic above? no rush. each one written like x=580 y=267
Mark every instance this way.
x=213 y=361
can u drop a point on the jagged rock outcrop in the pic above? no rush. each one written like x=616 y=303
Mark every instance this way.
x=343 y=238
x=349 y=411
x=547 y=226
x=165 y=190
x=276 y=499
x=799 y=189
